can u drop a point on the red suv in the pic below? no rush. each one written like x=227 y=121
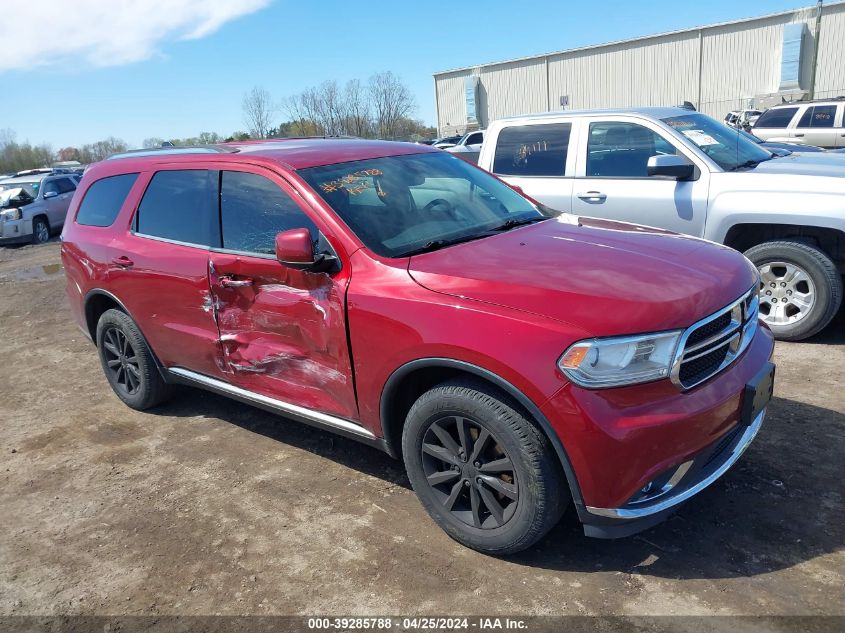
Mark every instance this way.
x=519 y=360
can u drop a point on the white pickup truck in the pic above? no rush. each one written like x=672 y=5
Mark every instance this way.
x=686 y=172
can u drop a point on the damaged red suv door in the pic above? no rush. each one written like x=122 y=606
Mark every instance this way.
x=282 y=331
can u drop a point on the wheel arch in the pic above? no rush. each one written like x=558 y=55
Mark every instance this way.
x=831 y=241
x=98 y=301
x=412 y=379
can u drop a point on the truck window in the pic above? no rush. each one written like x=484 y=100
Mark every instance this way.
x=532 y=150
x=622 y=150
x=818 y=116
x=777 y=117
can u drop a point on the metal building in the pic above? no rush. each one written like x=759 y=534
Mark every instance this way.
x=753 y=62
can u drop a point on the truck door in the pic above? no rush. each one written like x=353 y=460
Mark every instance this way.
x=539 y=158
x=612 y=179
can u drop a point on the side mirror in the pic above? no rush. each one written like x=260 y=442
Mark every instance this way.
x=295 y=249
x=50 y=194
x=670 y=166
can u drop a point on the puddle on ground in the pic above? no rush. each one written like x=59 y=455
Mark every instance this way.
x=36 y=273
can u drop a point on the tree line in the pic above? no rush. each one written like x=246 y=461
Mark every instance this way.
x=382 y=107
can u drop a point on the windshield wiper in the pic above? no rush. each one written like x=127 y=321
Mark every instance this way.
x=514 y=222
x=434 y=245
x=749 y=164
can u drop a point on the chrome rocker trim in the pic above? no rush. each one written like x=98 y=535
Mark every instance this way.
x=668 y=501
x=308 y=416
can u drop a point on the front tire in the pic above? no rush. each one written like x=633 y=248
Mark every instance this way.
x=481 y=469
x=40 y=231
x=128 y=363
x=800 y=288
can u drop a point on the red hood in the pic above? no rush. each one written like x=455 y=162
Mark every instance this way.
x=604 y=277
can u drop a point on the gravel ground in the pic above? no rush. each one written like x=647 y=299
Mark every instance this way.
x=207 y=506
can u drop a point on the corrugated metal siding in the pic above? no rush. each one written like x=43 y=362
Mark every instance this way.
x=739 y=61
x=516 y=88
x=830 y=70
x=451 y=102
x=661 y=71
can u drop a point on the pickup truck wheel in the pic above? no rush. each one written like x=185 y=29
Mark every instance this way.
x=483 y=471
x=128 y=363
x=800 y=288
x=40 y=231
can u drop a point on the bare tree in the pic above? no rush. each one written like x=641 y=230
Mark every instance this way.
x=258 y=111
x=358 y=111
x=392 y=101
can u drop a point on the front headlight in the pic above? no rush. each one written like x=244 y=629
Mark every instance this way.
x=624 y=360
x=11 y=214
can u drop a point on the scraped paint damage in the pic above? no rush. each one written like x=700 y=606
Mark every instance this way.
x=287 y=333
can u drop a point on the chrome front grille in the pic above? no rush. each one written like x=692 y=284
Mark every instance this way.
x=709 y=346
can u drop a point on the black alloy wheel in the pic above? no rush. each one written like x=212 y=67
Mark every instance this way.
x=470 y=472
x=122 y=361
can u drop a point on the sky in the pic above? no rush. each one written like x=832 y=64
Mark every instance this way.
x=77 y=72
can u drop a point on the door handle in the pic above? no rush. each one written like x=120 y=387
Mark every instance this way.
x=228 y=282
x=123 y=261
x=592 y=195
x=798 y=135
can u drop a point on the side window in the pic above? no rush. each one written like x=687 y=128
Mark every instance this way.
x=622 y=150
x=65 y=185
x=51 y=186
x=804 y=121
x=532 y=150
x=475 y=139
x=823 y=116
x=777 y=117
x=253 y=209
x=178 y=205
x=103 y=200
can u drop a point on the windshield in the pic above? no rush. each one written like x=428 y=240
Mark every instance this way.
x=30 y=187
x=725 y=146
x=400 y=205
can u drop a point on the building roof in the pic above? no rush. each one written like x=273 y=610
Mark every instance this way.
x=633 y=39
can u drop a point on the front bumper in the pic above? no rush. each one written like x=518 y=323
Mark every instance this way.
x=690 y=478
x=620 y=441
x=15 y=231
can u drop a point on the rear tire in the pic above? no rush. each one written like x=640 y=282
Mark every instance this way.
x=128 y=363
x=40 y=230
x=800 y=289
x=481 y=469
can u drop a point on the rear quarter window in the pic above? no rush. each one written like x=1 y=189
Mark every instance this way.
x=103 y=200
x=777 y=117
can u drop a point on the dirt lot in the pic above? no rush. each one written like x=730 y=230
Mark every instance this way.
x=207 y=506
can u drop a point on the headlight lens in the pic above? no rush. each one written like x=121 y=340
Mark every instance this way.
x=11 y=214
x=625 y=360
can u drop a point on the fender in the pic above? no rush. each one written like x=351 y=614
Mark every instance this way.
x=165 y=375
x=390 y=387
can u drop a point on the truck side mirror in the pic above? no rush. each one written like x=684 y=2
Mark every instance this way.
x=670 y=166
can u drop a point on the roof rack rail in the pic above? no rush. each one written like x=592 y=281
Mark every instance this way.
x=32 y=172
x=828 y=99
x=166 y=150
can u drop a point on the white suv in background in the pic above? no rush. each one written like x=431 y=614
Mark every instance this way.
x=819 y=123
x=686 y=172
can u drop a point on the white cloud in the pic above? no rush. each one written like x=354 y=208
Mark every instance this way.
x=106 y=32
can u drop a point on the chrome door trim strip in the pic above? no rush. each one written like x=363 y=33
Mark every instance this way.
x=323 y=419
